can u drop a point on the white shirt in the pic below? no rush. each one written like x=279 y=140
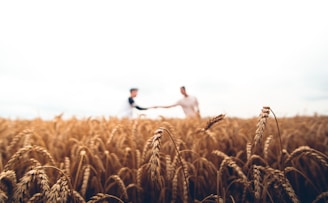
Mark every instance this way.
x=126 y=110
x=189 y=105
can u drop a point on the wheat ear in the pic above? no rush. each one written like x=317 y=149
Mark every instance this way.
x=7 y=184
x=168 y=166
x=257 y=182
x=140 y=173
x=77 y=197
x=145 y=148
x=175 y=186
x=22 y=151
x=306 y=150
x=59 y=191
x=261 y=124
x=213 y=120
x=85 y=181
x=65 y=181
x=37 y=197
x=185 y=183
x=266 y=146
x=18 y=137
x=155 y=165
x=101 y=197
x=227 y=161
x=178 y=155
x=67 y=165
x=121 y=185
x=24 y=184
x=323 y=196
x=280 y=177
x=248 y=150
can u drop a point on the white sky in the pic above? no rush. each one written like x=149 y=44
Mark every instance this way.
x=81 y=57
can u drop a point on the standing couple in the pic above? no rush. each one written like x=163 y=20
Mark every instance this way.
x=188 y=103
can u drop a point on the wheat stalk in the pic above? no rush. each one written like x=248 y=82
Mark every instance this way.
x=140 y=172
x=37 y=174
x=18 y=137
x=322 y=196
x=212 y=121
x=101 y=197
x=227 y=161
x=178 y=154
x=175 y=185
x=185 y=182
x=22 y=151
x=108 y=147
x=77 y=198
x=155 y=166
x=82 y=157
x=64 y=182
x=251 y=161
x=284 y=182
x=121 y=185
x=138 y=190
x=261 y=124
x=312 y=153
x=85 y=181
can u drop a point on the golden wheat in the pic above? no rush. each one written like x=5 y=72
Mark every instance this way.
x=280 y=177
x=261 y=124
x=155 y=166
x=312 y=153
x=22 y=192
x=323 y=196
x=164 y=160
x=266 y=146
x=7 y=185
x=100 y=197
x=15 y=159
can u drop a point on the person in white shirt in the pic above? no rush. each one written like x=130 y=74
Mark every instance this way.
x=130 y=104
x=188 y=103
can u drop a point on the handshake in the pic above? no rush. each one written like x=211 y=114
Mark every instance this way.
x=155 y=107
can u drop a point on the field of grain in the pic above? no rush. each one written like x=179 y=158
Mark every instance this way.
x=219 y=159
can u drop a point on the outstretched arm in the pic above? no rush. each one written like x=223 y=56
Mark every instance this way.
x=169 y=106
x=133 y=104
x=140 y=108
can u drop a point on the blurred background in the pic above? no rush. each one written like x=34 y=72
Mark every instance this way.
x=80 y=58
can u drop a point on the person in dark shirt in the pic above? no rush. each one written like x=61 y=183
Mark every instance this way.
x=127 y=111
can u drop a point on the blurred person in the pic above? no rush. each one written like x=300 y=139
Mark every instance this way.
x=130 y=104
x=188 y=103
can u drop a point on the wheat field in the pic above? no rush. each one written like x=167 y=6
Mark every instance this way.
x=218 y=159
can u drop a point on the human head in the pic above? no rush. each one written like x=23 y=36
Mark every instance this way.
x=183 y=90
x=134 y=92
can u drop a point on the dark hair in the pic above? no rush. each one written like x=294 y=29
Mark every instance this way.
x=183 y=87
x=133 y=89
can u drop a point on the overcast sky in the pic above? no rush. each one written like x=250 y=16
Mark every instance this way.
x=81 y=57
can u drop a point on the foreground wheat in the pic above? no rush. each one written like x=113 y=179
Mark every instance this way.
x=216 y=159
